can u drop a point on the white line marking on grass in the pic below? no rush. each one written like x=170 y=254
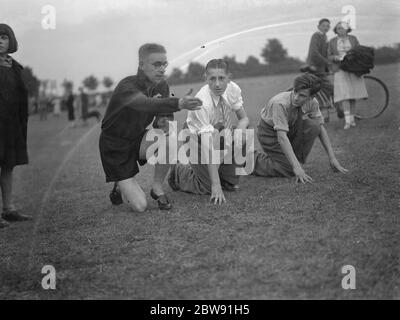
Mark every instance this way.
x=59 y=134
x=47 y=194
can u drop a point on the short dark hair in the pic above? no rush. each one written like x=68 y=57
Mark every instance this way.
x=12 y=40
x=218 y=64
x=337 y=24
x=323 y=20
x=307 y=81
x=149 y=48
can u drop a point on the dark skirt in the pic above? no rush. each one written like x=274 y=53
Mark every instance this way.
x=13 y=118
x=120 y=157
x=13 y=150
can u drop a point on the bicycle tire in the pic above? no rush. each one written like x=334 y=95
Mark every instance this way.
x=380 y=109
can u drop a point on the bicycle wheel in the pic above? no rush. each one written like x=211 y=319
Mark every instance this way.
x=377 y=102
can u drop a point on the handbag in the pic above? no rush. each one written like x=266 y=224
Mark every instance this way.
x=359 y=60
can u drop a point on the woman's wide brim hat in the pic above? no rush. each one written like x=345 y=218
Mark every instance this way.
x=13 y=44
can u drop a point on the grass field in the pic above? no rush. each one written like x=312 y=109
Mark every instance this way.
x=273 y=239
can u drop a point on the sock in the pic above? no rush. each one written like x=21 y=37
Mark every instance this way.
x=347 y=117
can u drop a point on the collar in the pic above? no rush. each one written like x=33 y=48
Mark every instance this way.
x=343 y=38
x=292 y=106
x=215 y=98
x=6 y=62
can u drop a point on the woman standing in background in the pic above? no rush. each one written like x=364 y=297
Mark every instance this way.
x=348 y=87
x=13 y=123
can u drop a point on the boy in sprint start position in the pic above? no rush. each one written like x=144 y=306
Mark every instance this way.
x=136 y=101
x=289 y=124
x=221 y=98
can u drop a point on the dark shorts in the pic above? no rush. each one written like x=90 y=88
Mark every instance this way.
x=120 y=157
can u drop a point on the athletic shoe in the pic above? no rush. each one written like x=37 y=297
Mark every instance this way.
x=347 y=126
x=163 y=202
x=14 y=216
x=115 y=196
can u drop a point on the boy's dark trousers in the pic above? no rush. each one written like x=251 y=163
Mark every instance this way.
x=272 y=162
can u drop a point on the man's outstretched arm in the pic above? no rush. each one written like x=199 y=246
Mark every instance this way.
x=127 y=95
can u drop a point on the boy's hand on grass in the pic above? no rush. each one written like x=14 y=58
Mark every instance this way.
x=301 y=175
x=217 y=194
x=336 y=167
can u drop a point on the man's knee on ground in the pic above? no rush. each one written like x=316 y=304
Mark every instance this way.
x=139 y=205
x=133 y=195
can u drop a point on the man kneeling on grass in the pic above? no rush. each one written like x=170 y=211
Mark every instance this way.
x=135 y=103
x=221 y=98
x=289 y=124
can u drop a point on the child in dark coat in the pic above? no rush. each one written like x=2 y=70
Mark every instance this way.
x=13 y=122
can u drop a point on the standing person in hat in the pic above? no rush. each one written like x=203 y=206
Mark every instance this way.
x=289 y=125
x=135 y=103
x=348 y=87
x=13 y=123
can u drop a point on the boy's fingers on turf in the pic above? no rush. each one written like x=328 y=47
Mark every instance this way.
x=213 y=197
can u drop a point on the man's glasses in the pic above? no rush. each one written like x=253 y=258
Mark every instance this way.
x=159 y=65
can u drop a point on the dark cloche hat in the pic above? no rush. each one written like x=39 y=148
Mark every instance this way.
x=13 y=44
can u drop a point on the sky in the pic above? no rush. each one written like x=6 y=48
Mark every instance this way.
x=101 y=37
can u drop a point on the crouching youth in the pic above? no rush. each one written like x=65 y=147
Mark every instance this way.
x=222 y=100
x=289 y=124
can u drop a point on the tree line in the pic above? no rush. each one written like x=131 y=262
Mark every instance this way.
x=276 y=61
x=275 y=56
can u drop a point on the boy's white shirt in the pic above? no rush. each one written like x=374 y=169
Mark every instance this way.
x=203 y=120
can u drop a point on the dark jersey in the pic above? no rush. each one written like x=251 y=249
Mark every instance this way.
x=133 y=106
